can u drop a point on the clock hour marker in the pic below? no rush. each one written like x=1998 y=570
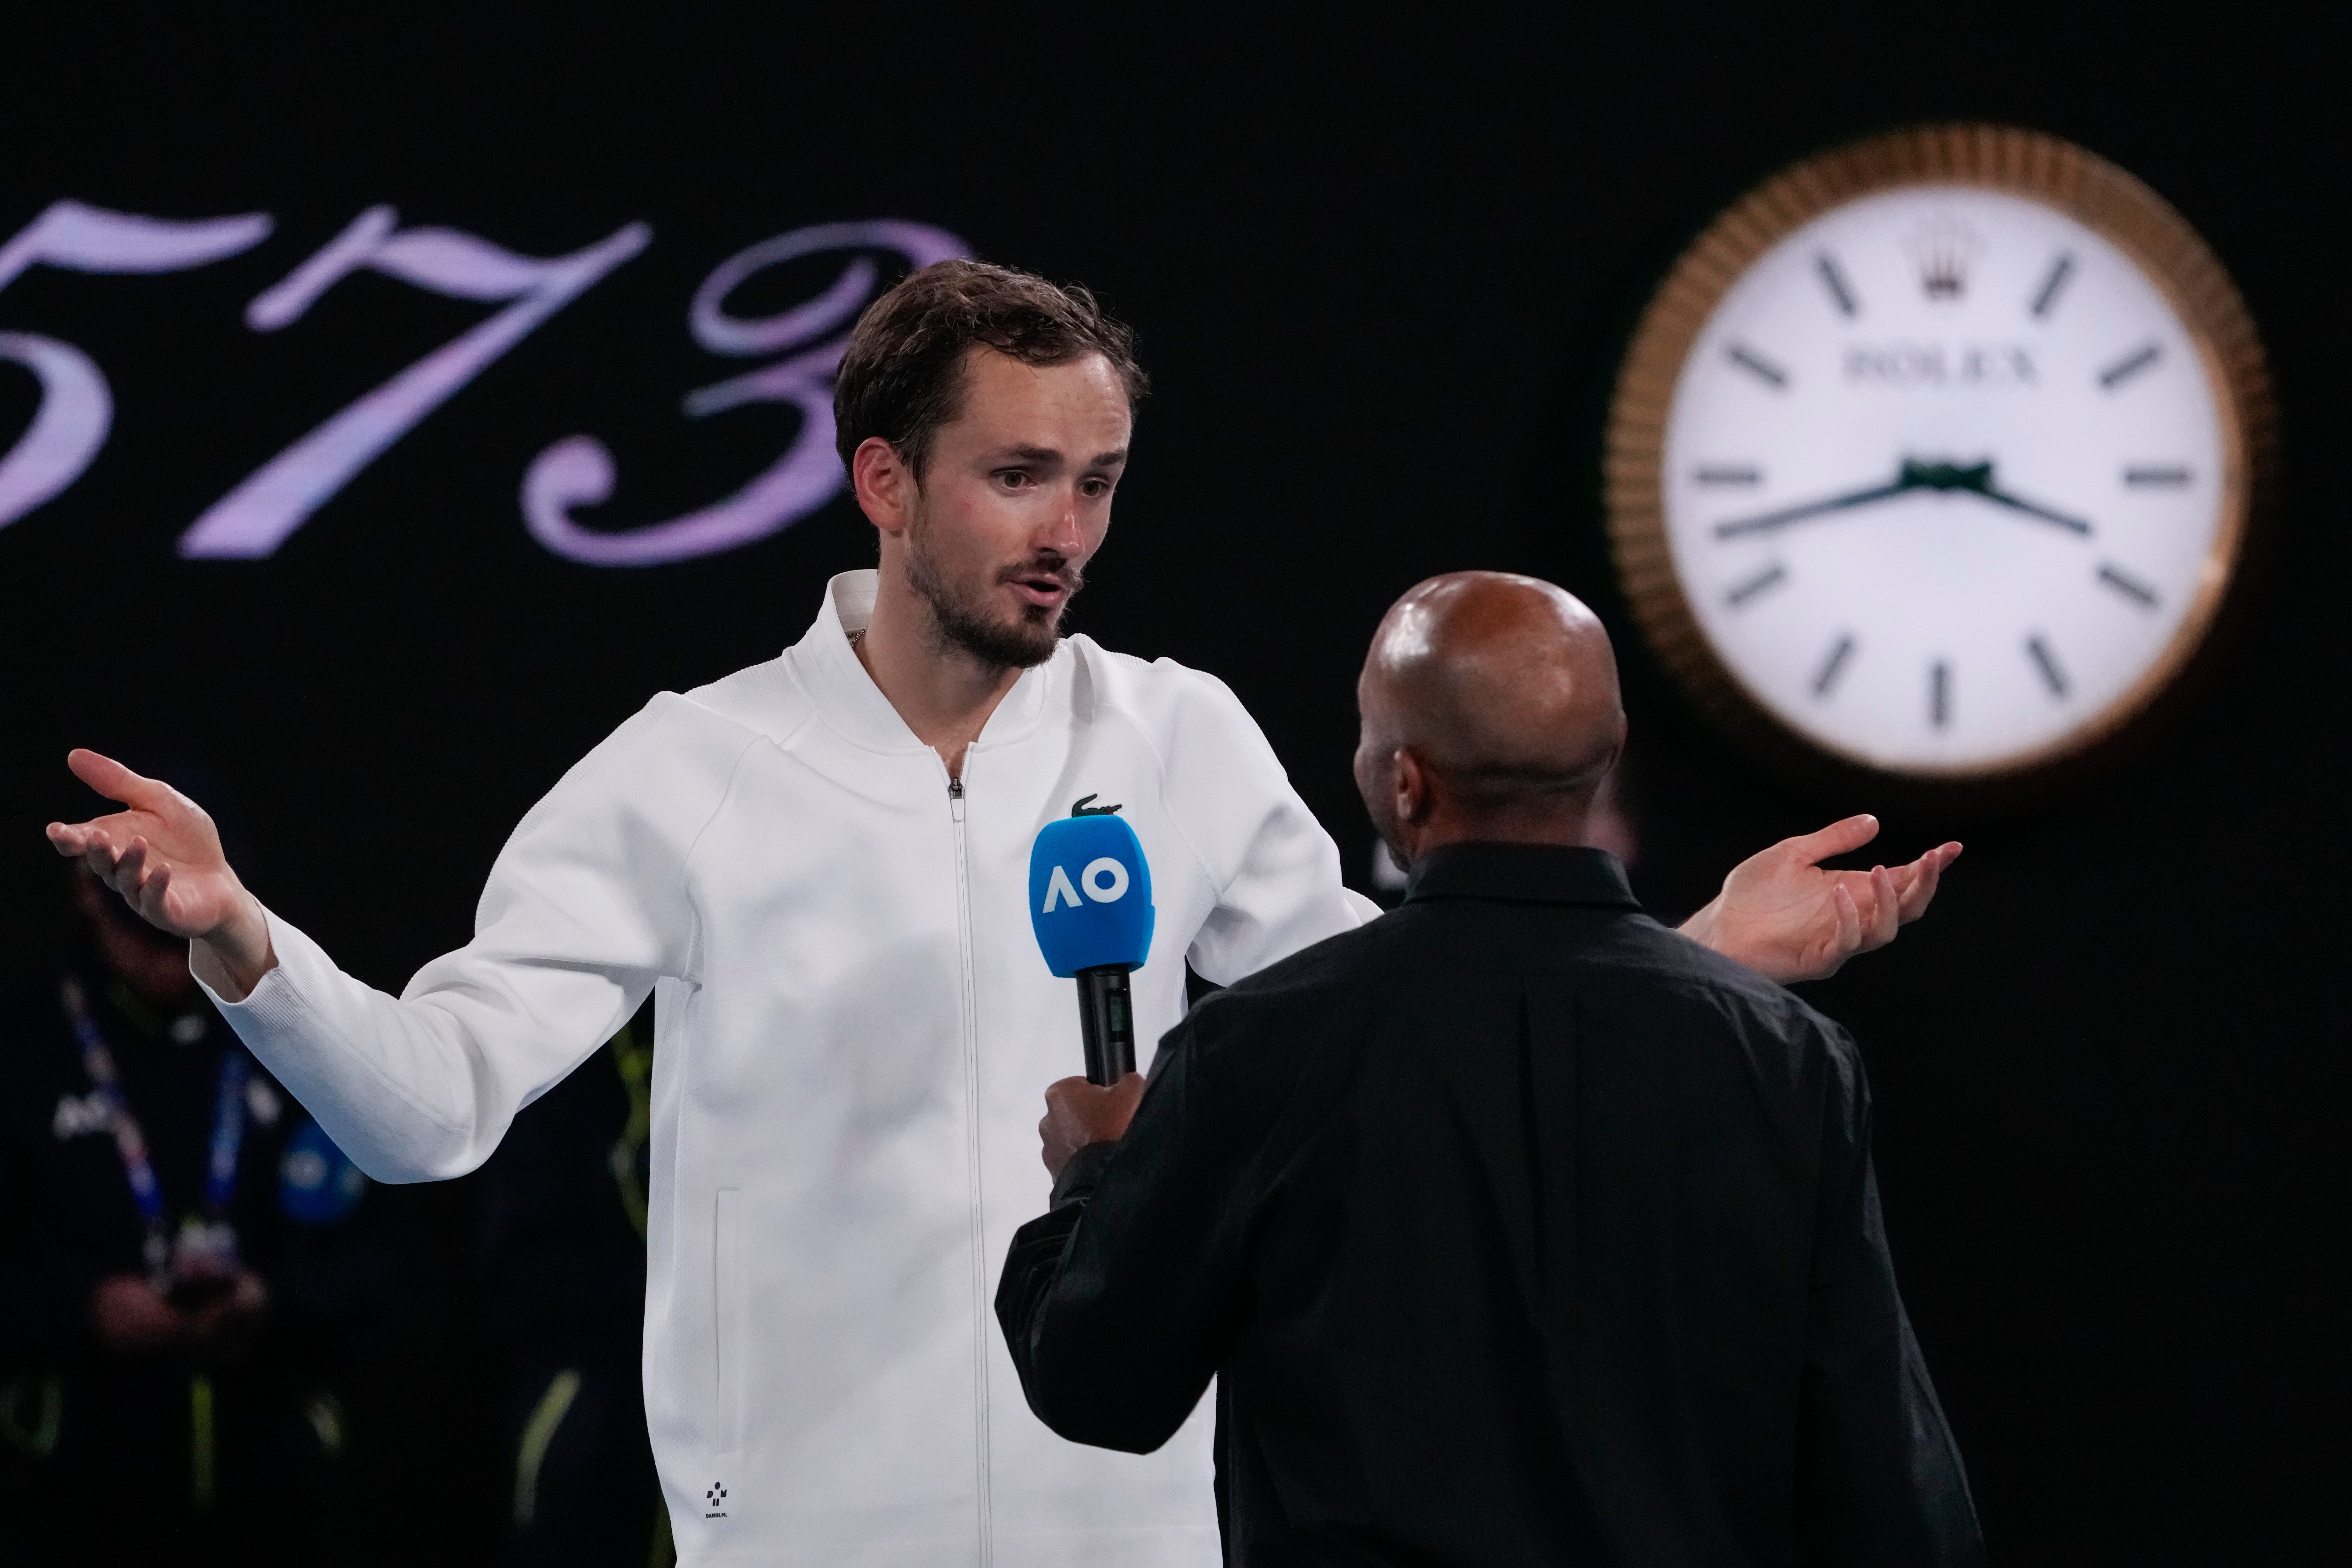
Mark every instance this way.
x=2129 y=587
x=2047 y=663
x=1757 y=365
x=1833 y=280
x=2130 y=365
x=2155 y=475
x=1940 y=693
x=1835 y=665
x=1743 y=592
x=2047 y=295
x=1728 y=474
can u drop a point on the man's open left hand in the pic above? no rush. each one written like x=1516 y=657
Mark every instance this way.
x=1782 y=914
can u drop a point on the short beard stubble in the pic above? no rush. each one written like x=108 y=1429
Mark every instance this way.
x=959 y=621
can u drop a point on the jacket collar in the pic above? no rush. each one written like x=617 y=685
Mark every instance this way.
x=853 y=706
x=1522 y=873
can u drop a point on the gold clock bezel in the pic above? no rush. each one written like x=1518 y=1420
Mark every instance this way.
x=2028 y=165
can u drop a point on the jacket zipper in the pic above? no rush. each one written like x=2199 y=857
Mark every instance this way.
x=979 y=1294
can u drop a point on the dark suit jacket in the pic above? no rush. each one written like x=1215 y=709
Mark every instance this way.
x=1517 y=1228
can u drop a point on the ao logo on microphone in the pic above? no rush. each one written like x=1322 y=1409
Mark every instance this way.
x=1104 y=881
x=1090 y=893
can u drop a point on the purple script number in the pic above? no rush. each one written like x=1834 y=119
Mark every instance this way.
x=77 y=409
x=253 y=519
x=578 y=471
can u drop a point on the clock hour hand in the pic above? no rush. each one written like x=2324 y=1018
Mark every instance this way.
x=2018 y=503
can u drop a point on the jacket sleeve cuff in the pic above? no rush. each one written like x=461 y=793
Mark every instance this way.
x=270 y=998
x=1077 y=1183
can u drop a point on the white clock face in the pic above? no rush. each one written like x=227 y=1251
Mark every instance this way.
x=1944 y=478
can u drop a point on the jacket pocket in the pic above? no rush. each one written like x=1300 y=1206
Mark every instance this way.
x=726 y=1320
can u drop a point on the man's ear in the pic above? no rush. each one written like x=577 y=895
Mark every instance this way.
x=886 y=487
x=1414 y=797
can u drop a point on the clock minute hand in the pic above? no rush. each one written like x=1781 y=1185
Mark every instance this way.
x=1786 y=515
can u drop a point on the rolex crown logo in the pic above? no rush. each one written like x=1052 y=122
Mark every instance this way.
x=1942 y=249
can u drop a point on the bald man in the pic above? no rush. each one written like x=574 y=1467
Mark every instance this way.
x=1516 y=1227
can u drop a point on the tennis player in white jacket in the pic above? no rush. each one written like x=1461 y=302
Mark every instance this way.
x=818 y=867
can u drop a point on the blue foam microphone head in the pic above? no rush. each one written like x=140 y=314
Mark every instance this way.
x=1090 y=893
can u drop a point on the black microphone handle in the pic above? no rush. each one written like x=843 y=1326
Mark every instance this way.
x=1108 y=1024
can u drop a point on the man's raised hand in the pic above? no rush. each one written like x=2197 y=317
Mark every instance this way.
x=1782 y=914
x=164 y=856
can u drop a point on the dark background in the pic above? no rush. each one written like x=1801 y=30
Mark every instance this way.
x=1381 y=270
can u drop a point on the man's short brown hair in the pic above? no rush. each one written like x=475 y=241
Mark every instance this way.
x=902 y=375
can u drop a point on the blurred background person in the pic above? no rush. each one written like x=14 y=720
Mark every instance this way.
x=180 y=1275
x=563 y=1285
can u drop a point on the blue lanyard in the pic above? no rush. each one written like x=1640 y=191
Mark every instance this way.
x=228 y=1128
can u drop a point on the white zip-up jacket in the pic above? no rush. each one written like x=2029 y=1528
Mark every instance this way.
x=855 y=1032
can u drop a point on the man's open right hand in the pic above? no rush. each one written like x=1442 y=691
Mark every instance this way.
x=164 y=856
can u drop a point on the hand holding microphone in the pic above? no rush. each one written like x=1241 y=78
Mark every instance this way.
x=1078 y=1115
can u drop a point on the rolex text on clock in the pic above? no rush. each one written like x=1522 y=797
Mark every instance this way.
x=1935 y=454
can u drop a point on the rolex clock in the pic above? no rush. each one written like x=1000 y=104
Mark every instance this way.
x=1936 y=455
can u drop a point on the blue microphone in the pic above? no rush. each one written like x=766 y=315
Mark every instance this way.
x=1091 y=904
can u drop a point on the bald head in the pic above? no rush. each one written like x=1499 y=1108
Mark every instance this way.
x=1490 y=711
